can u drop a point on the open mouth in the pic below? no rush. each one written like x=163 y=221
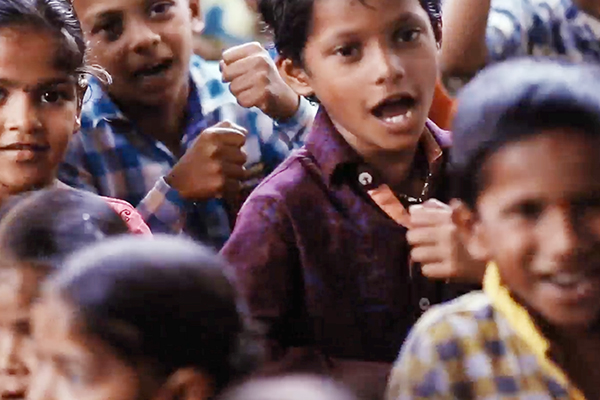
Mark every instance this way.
x=20 y=395
x=395 y=109
x=154 y=69
x=575 y=284
x=35 y=148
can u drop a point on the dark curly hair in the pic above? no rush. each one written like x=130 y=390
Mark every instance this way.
x=173 y=296
x=289 y=21
x=55 y=16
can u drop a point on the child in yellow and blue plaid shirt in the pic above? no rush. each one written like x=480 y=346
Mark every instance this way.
x=527 y=167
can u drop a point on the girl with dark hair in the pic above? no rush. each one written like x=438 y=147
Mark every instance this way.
x=42 y=71
x=139 y=319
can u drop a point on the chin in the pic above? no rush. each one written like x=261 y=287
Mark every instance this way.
x=570 y=320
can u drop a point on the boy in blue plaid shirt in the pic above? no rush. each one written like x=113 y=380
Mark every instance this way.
x=525 y=155
x=168 y=135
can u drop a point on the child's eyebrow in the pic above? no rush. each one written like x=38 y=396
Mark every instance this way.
x=106 y=16
x=407 y=17
x=49 y=83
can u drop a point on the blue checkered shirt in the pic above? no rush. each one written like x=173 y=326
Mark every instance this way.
x=555 y=28
x=111 y=158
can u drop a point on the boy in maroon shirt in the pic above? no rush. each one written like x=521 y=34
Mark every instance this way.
x=320 y=248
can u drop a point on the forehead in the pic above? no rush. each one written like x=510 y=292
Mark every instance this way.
x=91 y=9
x=28 y=55
x=555 y=163
x=338 y=17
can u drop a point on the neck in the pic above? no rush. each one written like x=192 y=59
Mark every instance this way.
x=6 y=192
x=394 y=166
x=164 y=121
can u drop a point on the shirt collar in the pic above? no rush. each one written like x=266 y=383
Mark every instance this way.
x=207 y=94
x=525 y=327
x=333 y=154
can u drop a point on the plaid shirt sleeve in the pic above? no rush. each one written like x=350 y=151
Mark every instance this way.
x=294 y=130
x=72 y=171
x=163 y=209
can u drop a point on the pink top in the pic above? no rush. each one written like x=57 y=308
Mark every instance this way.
x=132 y=218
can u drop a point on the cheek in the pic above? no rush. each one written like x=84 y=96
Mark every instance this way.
x=507 y=243
x=60 y=126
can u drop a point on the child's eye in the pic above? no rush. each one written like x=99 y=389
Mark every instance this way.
x=407 y=35
x=160 y=9
x=529 y=211
x=3 y=95
x=53 y=96
x=351 y=51
x=112 y=30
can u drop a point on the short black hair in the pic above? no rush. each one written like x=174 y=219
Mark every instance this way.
x=57 y=17
x=44 y=227
x=173 y=295
x=512 y=101
x=290 y=20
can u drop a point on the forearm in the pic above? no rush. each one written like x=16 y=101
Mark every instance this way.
x=464 y=48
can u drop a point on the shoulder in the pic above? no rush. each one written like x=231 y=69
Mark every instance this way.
x=444 y=349
x=457 y=318
x=288 y=181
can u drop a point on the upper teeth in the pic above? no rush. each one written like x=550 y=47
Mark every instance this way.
x=567 y=279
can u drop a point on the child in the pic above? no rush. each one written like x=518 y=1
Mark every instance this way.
x=135 y=318
x=47 y=225
x=479 y=32
x=167 y=134
x=37 y=232
x=525 y=151
x=41 y=68
x=320 y=247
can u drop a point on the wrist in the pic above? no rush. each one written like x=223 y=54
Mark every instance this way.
x=289 y=107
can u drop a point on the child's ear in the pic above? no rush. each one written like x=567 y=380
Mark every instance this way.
x=437 y=31
x=470 y=230
x=196 y=15
x=186 y=384
x=295 y=76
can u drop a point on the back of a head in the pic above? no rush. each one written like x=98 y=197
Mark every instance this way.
x=48 y=225
x=173 y=293
x=291 y=387
x=511 y=101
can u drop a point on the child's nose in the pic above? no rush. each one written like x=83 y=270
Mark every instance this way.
x=142 y=37
x=11 y=362
x=386 y=65
x=20 y=114
x=562 y=231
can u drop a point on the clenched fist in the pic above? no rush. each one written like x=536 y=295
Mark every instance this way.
x=255 y=81
x=213 y=166
x=437 y=245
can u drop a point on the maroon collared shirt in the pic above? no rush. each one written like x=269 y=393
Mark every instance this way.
x=321 y=263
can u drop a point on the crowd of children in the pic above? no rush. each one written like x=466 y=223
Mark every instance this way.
x=295 y=221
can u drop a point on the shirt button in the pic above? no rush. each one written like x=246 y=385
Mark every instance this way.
x=365 y=178
x=424 y=304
